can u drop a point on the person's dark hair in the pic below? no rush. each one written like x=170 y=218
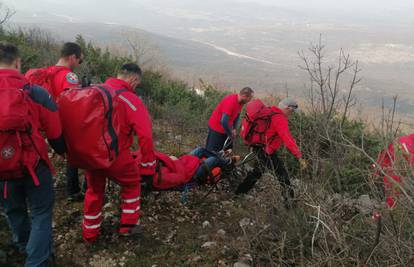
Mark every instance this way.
x=8 y=53
x=130 y=68
x=69 y=49
x=247 y=91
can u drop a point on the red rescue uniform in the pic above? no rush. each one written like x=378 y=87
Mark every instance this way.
x=54 y=78
x=279 y=133
x=44 y=113
x=62 y=78
x=231 y=107
x=124 y=170
x=172 y=172
x=32 y=231
x=387 y=158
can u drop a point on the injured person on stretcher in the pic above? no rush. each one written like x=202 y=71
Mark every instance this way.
x=197 y=168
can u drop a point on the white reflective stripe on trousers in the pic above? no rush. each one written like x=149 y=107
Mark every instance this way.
x=94 y=226
x=148 y=164
x=131 y=211
x=91 y=217
x=131 y=200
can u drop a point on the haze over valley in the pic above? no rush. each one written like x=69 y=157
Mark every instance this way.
x=233 y=43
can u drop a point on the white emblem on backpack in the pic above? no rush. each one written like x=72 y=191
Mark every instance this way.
x=7 y=152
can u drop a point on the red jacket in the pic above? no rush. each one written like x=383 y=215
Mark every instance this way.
x=44 y=113
x=137 y=120
x=60 y=78
x=279 y=134
x=229 y=105
x=172 y=172
x=386 y=160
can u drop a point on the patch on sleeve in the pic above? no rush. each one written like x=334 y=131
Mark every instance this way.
x=72 y=78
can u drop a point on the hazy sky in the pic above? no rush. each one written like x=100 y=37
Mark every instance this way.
x=373 y=12
x=384 y=3
x=300 y=4
x=356 y=3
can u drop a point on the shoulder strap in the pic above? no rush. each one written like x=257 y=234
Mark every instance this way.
x=270 y=116
x=120 y=91
x=114 y=144
x=274 y=113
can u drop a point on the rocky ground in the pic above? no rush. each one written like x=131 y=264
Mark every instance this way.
x=219 y=230
x=201 y=232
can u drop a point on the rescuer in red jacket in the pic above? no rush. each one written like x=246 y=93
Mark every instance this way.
x=59 y=77
x=278 y=134
x=64 y=78
x=30 y=185
x=56 y=79
x=224 y=120
x=124 y=170
x=401 y=149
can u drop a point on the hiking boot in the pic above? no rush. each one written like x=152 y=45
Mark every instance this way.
x=135 y=231
x=78 y=197
x=246 y=185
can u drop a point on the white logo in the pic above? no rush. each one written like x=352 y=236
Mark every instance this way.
x=7 y=152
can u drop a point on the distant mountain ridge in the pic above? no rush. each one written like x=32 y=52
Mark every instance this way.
x=231 y=66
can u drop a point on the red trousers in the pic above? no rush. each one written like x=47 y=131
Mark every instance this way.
x=125 y=172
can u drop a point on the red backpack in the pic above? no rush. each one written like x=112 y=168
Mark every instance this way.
x=256 y=122
x=91 y=121
x=16 y=144
x=42 y=77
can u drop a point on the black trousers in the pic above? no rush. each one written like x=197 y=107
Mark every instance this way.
x=263 y=163
x=215 y=141
x=72 y=179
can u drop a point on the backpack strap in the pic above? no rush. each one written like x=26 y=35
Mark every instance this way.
x=254 y=123
x=5 y=190
x=34 y=175
x=270 y=117
x=114 y=144
x=30 y=168
x=120 y=91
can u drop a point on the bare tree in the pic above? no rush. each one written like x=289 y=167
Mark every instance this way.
x=5 y=13
x=326 y=78
x=341 y=217
x=143 y=51
x=331 y=95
